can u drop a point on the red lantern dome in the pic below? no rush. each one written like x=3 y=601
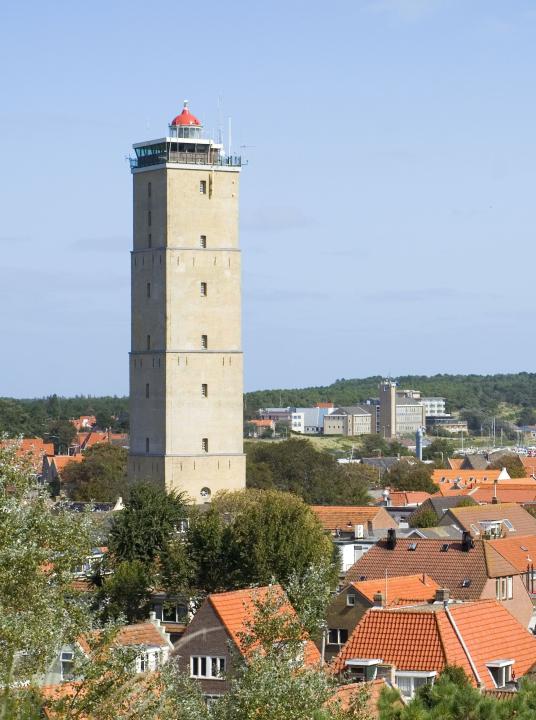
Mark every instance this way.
x=185 y=118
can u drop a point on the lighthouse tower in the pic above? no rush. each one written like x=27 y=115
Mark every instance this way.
x=186 y=366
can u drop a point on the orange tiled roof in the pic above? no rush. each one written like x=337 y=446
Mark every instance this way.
x=343 y=696
x=517 y=550
x=60 y=461
x=505 y=493
x=236 y=608
x=138 y=634
x=465 y=476
x=529 y=463
x=405 y=589
x=261 y=423
x=32 y=448
x=425 y=640
x=409 y=497
x=449 y=568
x=468 y=518
x=342 y=516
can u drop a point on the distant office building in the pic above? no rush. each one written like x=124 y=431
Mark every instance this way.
x=350 y=421
x=309 y=421
x=434 y=406
x=401 y=412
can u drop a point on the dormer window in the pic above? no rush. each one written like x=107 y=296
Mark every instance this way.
x=409 y=681
x=501 y=671
x=363 y=669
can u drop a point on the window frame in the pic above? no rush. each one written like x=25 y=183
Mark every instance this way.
x=207 y=661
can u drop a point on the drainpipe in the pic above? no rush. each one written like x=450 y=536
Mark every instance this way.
x=479 y=682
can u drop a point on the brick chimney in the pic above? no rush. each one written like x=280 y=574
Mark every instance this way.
x=379 y=599
x=442 y=595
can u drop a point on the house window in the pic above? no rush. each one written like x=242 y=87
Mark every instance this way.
x=409 y=682
x=504 y=588
x=207 y=667
x=174 y=612
x=149 y=217
x=203 y=289
x=500 y=671
x=148 y=342
x=150 y=240
x=203 y=241
x=204 y=341
x=146 y=390
x=204 y=390
x=204 y=445
x=146 y=445
x=203 y=187
x=350 y=600
x=147 y=660
x=148 y=289
x=67 y=665
x=337 y=636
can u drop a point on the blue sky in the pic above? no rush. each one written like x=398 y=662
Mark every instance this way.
x=387 y=210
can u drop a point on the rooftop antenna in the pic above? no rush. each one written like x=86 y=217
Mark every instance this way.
x=220 y=119
x=230 y=135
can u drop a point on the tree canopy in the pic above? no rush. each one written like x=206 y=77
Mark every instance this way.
x=296 y=466
x=101 y=476
x=410 y=476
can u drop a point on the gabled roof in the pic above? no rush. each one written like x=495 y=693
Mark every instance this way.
x=236 y=608
x=519 y=551
x=402 y=590
x=465 y=476
x=474 y=461
x=146 y=634
x=465 y=573
x=425 y=640
x=454 y=463
x=505 y=493
x=344 y=517
x=518 y=520
x=401 y=498
x=60 y=461
x=356 y=409
x=439 y=532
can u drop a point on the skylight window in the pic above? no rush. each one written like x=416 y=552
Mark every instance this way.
x=466 y=582
x=508 y=525
x=445 y=547
x=412 y=546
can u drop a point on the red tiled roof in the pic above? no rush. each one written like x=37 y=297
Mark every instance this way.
x=346 y=516
x=504 y=493
x=60 y=461
x=236 y=608
x=402 y=498
x=465 y=476
x=469 y=517
x=425 y=640
x=145 y=634
x=450 y=568
x=342 y=696
x=517 y=550
x=405 y=589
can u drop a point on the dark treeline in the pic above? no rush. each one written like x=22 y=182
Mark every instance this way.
x=477 y=396
x=33 y=417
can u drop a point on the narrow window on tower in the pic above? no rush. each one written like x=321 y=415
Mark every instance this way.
x=204 y=390
x=203 y=241
x=149 y=217
x=204 y=445
x=146 y=390
x=150 y=240
x=203 y=187
x=149 y=189
x=148 y=342
x=204 y=341
x=149 y=290
x=147 y=445
x=203 y=289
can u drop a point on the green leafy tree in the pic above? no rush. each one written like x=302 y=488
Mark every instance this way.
x=512 y=463
x=439 y=450
x=273 y=535
x=211 y=549
x=150 y=520
x=126 y=592
x=423 y=519
x=101 y=476
x=406 y=476
x=104 y=420
x=38 y=551
x=62 y=433
x=296 y=466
